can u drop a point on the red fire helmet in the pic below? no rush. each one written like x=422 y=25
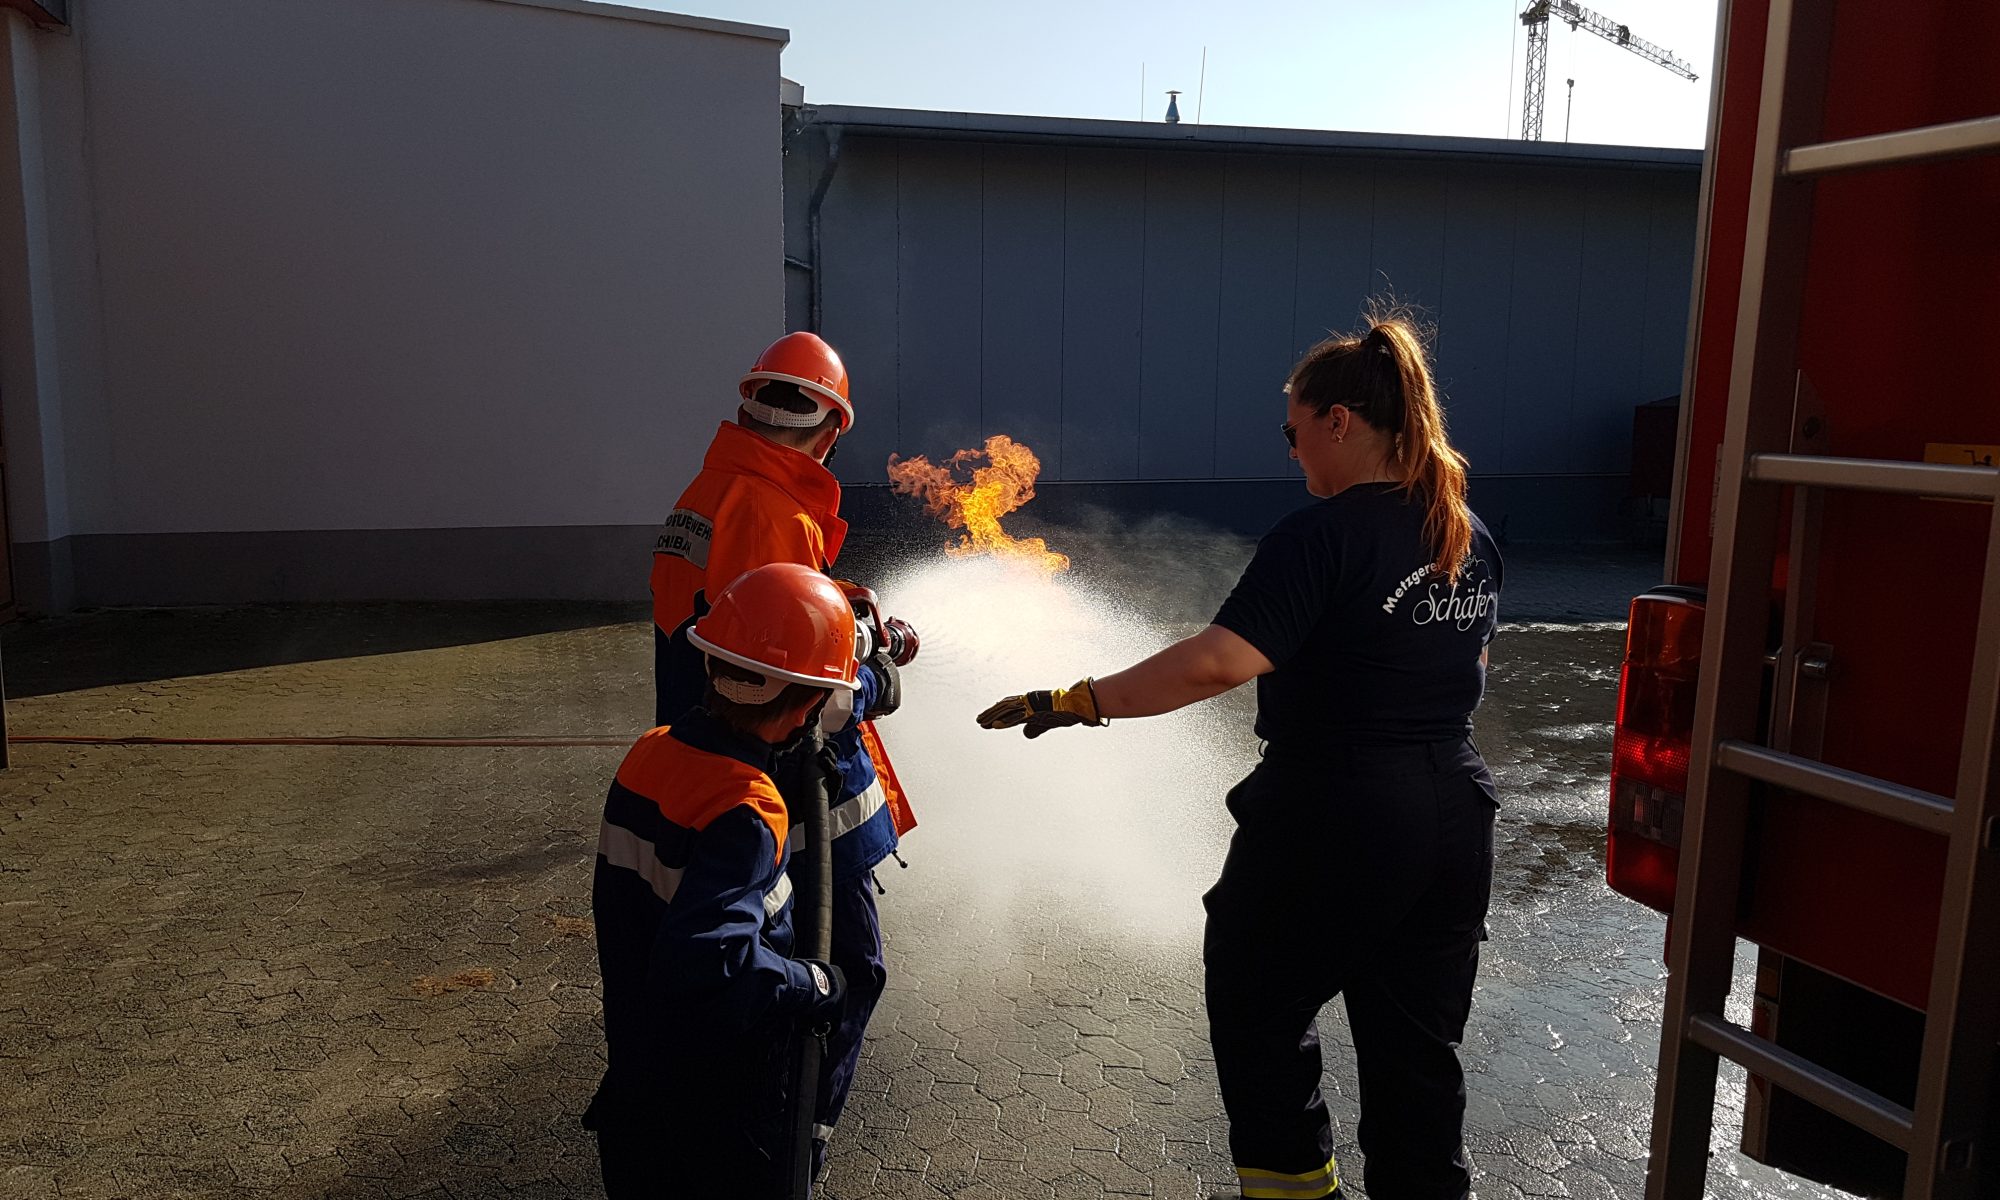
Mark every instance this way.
x=784 y=621
x=807 y=361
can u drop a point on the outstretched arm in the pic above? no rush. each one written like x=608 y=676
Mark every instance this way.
x=1205 y=664
x=1192 y=669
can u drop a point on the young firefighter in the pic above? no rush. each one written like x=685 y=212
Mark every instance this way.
x=764 y=495
x=702 y=999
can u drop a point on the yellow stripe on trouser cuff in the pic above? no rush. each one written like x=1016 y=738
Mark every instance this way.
x=1271 y=1185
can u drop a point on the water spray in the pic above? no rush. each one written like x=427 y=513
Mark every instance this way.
x=1126 y=828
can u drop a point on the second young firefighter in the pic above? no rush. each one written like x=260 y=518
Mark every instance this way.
x=703 y=1001
x=764 y=495
x=1363 y=854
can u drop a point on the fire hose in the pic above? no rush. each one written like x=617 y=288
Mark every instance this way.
x=525 y=741
x=814 y=939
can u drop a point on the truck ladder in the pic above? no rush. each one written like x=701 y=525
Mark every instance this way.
x=1942 y=1134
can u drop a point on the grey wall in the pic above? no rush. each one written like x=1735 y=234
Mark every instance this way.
x=1132 y=313
x=417 y=265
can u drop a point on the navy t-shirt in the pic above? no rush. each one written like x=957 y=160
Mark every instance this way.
x=1369 y=641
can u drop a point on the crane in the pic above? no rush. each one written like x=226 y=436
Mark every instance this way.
x=1536 y=18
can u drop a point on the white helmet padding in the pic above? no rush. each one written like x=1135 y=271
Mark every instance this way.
x=824 y=400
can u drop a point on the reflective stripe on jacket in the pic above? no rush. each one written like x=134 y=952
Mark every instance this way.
x=864 y=830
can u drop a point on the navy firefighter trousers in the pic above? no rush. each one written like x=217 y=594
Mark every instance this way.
x=857 y=951
x=1362 y=872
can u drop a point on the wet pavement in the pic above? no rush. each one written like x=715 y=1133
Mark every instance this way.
x=368 y=971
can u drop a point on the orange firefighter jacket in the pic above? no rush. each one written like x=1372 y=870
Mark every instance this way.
x=755 y=502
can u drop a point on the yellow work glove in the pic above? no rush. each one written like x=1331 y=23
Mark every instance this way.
x=1043 y=711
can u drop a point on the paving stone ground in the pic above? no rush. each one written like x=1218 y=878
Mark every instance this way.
x=369 y=972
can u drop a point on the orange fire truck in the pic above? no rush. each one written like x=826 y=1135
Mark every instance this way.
x=1806 y=739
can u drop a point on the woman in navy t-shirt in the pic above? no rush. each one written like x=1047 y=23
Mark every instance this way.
x=1363 y=856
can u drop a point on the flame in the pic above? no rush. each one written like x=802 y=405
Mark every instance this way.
x=1004 y=484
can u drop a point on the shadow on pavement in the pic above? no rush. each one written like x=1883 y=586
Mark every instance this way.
x=122 y=646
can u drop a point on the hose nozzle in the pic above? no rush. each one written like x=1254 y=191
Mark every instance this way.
x=900 y=641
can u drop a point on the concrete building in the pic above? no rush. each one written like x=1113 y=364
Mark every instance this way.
x=377 y=298
x=1128 y=297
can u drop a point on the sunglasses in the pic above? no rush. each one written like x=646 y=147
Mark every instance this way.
x=1291 y=430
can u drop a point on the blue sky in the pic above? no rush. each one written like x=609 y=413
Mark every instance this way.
x=1406 y=66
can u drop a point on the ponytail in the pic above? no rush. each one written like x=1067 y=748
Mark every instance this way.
x=1384 y=378
x=1429 y=462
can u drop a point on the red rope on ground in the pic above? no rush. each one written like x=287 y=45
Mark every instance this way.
x=54 y=739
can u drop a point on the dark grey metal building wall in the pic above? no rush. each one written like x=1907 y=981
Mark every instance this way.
x=1131 y=312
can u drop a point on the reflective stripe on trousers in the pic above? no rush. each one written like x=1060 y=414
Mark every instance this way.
x=1257 y=1184
x=1408 y=832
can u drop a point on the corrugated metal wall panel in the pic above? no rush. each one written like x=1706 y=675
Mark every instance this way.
x=939 y=289
x=1541 y=351
x=1407 y=259
x=1669 y=282
x=1257 y=299
x=858 y=289
x=1611 y=320
x=1104 y=235
x=1336 y=231
x=1021 y=311
x=1182 y=284
x=1131 y=314
x=1475 y=323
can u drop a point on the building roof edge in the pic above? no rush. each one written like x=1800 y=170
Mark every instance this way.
x=1080 y=131
x=653 y=16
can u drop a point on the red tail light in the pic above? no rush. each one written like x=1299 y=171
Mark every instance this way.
x=1649 y=756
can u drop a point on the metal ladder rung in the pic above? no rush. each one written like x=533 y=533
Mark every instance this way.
x=1911 y=806
x=1932 y=142
x=1805 y=1079
x=1940 y=480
